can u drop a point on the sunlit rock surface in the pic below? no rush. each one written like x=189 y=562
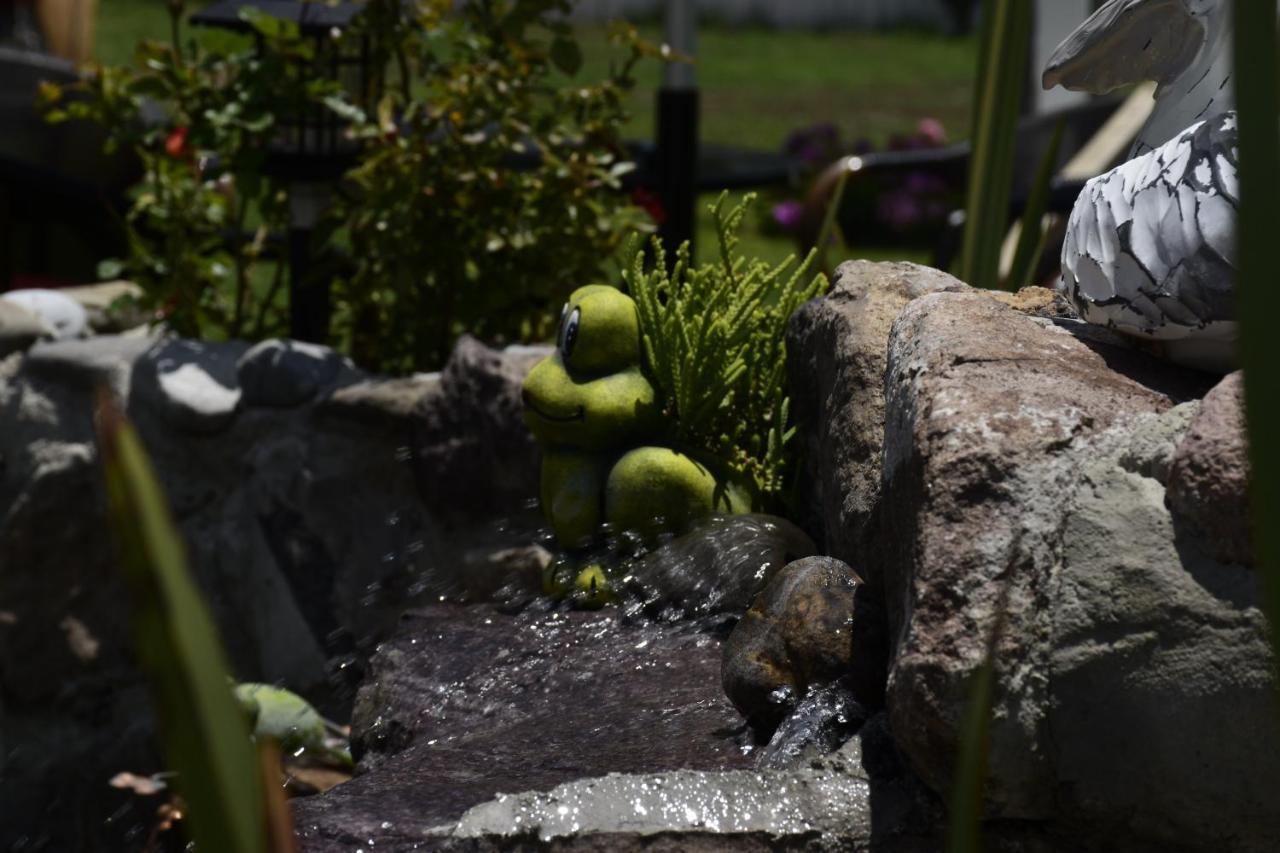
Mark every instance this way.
x=1027 y=462
x=835 y=363
x=467 y=702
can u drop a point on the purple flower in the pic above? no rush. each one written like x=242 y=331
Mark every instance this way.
x=900 y=210
x=788 y=214
x=813 y=146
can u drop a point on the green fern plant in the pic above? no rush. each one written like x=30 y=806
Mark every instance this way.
x=714 y=342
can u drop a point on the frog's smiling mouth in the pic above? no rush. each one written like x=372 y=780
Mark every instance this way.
x=579 y=415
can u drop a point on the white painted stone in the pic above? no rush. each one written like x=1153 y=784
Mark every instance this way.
x=65 y=317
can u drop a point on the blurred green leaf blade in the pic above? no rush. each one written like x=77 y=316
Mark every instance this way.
x=204 y=732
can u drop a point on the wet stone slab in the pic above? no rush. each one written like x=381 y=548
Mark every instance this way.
x=468 y=702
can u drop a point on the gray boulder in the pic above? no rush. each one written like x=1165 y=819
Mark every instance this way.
x=284 y=373
x=191 y=385
x=472 y=454
x=1028 y=465
x=305 y=527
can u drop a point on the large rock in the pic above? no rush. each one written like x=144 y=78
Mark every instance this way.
x=467 y=702
x=1209 y=477
x=1025 y=467
x=304 y=523
x=835 y=364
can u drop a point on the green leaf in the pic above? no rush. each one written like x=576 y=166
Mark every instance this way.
x=964 y=831
x=205 y=735
x=1258 y=104
x=110 y=269
x=1031 y=236
x=566 y=55
x=1006 y=42
x=269 y=26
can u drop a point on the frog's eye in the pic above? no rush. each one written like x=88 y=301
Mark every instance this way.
x=564 y=312
x=569 y=333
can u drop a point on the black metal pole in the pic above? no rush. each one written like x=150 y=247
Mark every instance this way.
x=309 y=307
x=678 y=106
x=678 y=165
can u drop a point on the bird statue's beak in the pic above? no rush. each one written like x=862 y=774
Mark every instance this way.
x=1127 y=42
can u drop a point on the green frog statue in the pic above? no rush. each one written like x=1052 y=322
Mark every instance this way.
x=600 y=423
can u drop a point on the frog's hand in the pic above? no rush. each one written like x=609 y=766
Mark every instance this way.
x=337 y=756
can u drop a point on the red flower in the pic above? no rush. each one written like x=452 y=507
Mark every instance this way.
x=650 y=204
x=176 y=145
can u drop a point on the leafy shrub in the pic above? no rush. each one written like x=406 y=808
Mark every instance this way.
x=714 y=340
x=490 y=189
x=487 y=186
x=199 y=122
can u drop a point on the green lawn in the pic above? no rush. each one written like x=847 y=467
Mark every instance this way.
x=757 y=85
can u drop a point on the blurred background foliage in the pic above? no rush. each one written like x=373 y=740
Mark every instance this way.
x=760 y=87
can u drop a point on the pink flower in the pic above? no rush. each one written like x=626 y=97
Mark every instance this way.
x=932 y=130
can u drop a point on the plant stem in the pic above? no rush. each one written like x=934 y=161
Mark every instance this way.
x=175 y=29
x=267 y=302
x=242 y=272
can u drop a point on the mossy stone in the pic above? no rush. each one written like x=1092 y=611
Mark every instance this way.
x=651 y=490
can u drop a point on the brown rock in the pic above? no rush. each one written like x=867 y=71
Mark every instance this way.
x=836 y=362
x=797 y=634
x=1208 y=480
x=1036 y=301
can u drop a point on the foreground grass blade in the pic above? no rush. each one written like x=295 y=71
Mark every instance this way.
x=830 y=227
x=1257 y=80
x=205 y=735
x=1031 y=237
x=964 y=829
x=1006 y=44
x=280 y=837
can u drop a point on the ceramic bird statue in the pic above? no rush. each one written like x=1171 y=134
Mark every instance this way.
x=1150 y=246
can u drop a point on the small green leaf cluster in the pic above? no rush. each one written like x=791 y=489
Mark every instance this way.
x=715 y=345
x=491 y=184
